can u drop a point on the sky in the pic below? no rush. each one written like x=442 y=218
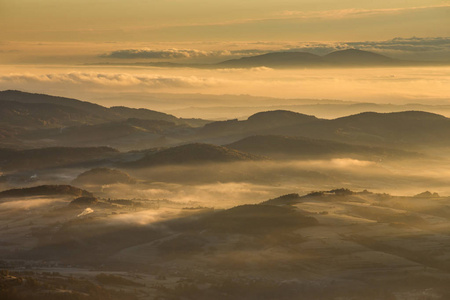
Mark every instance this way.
x=59 y=47
x=212 y=20
x=85 y=29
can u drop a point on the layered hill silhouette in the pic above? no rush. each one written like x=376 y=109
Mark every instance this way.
x=28 y=123
x=19 y=108
x=254 y=219
x=43 y=115
x=295 y=59
x=46 y=190
x=58 y=121
x=369 y=128
x=84 y=201
x=33 y=98
x=340 y=58
x=32 y=159
x=288 y=147
x=192 y=154
x=257 y=123
x=108 y=132
x=102 y=176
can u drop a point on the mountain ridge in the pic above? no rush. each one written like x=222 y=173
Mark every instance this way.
x=350 y=57
x=96 y=112
x=289 y=147
x=192 y=153
x=296 y=59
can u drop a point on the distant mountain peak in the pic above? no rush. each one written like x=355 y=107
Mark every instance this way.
x=353 y=51
x=291 y=59
x=355 y=56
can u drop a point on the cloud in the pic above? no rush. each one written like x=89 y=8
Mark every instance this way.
x=158 y=54
x=429 y=48
x=432 y=48
x=146 y=53
x=413 y=44
x=338 y=14
x=355 y=12
x=113 y=79
x=240 y=70
x=30 y=203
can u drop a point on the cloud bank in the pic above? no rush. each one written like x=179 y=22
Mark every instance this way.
x=377 y=85
x=159 y=54
x=113 y=79
x=146 y=53
x=428 y=48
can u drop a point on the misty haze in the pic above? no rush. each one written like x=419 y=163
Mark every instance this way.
x=224 y=150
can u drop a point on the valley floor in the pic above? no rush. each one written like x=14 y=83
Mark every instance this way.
x=324 y=245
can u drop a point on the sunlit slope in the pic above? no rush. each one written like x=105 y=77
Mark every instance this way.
x=192 y=154
x=290 y=147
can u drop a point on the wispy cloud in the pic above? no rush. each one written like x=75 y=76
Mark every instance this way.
x=355 y=12
x=337 y=14
x=311 y=15
x=349 y=13
x=429 y=48
x=424 y=48
x=113 y=79
x=158 y=54
x=145 y=53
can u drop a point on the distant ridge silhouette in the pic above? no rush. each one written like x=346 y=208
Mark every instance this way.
x=296 y=59
x=350 y=57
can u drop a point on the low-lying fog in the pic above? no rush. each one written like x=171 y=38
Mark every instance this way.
x=136 y=86
x=230 y=184
x=226 y=185
x=361 y=245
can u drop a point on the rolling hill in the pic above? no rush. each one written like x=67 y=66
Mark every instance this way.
x=288 y=147
x=32 y=159
x=33 y=124
x=192 y=154
x=101 y=176
x=257 y=123
x=43 y=115
x=254 y=219
x=39 y=104
x=34 y=98
x=106 y=133
x=46 y=190
x=412 y=128
x=385 y=129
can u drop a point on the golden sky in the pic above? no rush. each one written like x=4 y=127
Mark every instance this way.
x=213 y=20
x=71 y=35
